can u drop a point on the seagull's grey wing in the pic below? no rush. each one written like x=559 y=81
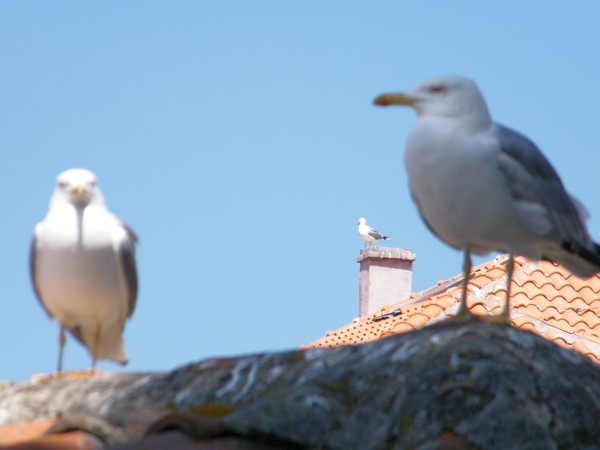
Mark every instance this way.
x=32 y=272
x=127 y=258
x=532 y=179
x=375 y=234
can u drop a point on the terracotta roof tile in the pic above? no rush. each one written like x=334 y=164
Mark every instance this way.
x=401 y=327
x=12 y=434
x=545 y=298
x=481 y=281
x=72 y=440
x=582 y=348
x=524 y=323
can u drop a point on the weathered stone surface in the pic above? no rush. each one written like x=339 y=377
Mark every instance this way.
x=469 y=386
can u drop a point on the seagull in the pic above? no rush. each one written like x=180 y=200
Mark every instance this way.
x=83 y=267
x=482 y=187
x=368 y=234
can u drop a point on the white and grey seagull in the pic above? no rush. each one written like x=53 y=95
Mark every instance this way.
x=83 y=267
x=368 y=234
x=481 y=187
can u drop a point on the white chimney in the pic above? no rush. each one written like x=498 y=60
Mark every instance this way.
x=385 y=277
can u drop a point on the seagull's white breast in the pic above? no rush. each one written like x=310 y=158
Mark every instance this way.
x=76 y=267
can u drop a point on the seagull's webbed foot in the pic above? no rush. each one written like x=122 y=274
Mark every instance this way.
x=463 y=315
x=502 y=319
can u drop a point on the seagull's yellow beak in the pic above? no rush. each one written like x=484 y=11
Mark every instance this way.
x=397 y=98
x=79 y=190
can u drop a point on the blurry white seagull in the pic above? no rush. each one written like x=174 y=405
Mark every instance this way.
x=83 y=267
x=368 y=234
x=481 y=187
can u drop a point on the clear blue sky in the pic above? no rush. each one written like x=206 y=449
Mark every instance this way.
x=239 y=140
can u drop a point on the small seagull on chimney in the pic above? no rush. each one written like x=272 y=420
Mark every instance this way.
x=368 y=234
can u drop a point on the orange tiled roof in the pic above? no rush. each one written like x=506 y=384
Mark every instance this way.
x=545 y=298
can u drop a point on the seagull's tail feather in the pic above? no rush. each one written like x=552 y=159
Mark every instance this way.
x=116 y=353
x=593 y=257
x=111 y=344
x=385 y=238
x=578 y=259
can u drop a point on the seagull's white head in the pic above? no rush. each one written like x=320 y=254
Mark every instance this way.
x=77 y=187
x=362 y=221
x=446 y=96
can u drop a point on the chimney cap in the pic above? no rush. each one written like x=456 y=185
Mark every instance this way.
x=386 y=253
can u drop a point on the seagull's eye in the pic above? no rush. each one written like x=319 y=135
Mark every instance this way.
x=62 y=184
x=437 y=88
